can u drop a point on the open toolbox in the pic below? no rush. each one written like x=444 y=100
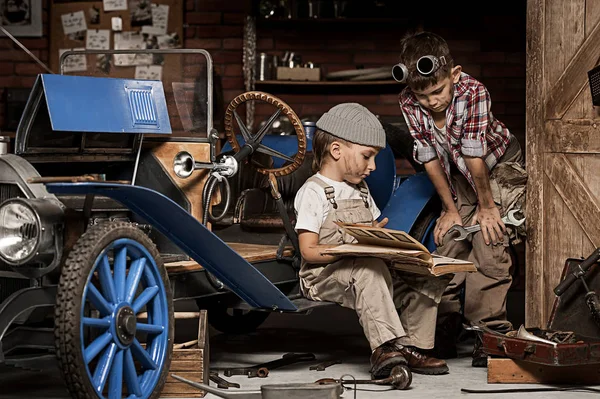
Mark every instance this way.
x=572 y=336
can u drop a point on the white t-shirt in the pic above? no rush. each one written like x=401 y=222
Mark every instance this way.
x=312 y=207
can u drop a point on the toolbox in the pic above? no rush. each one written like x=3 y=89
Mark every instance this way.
x=570 y=322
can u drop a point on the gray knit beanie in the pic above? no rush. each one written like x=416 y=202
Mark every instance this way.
x=354 y=123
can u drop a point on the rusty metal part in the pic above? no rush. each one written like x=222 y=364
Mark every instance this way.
x=324 y=365
x=262 y=370
x=221 y=382
x=464 y=232
x=286 y=110
x=400 y=378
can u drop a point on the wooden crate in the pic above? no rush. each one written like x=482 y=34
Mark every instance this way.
x=191 y=363
x=510 y=371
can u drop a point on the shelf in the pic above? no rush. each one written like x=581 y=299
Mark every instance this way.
x=326 y=83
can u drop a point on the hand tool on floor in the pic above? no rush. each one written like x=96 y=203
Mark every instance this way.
x=400 y=378
x=221 y=382
x=262 y=370
x=275 y=391
x=464 y=232
x=324 y=365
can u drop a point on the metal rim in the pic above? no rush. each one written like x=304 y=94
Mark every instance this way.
x=286 y=110
x=115 y=345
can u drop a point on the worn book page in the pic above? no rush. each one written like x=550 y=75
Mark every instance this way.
x=380 y=236
x=415 y=257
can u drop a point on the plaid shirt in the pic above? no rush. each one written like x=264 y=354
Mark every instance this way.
x=471 y=129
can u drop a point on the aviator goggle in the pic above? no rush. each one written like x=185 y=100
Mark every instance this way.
x=426 y=66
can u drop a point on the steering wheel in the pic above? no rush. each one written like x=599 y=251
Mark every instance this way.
x=249 y=137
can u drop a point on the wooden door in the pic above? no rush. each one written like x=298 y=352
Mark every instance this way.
x=563 y=145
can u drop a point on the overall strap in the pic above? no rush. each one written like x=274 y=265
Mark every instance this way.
x=364 y=192
x=329 y=190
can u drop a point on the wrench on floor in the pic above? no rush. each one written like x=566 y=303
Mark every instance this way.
x=221 y=382
x=464 y=232
x=262 y=370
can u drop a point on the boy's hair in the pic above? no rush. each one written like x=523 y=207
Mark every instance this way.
x=416 y=45
x=320 y=143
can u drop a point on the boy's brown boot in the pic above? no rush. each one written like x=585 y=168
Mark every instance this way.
x=384 y=359
x=420 y=363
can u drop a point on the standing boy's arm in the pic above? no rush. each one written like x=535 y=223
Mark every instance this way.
x=488 y=215
x=310 y=249
x=450 y=215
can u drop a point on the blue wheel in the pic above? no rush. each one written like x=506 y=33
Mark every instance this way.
x=104 y=348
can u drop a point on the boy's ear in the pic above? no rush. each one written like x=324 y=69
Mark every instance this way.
x=335 y=150
x=455 y=73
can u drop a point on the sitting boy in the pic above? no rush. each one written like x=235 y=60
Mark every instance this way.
x=397 y=314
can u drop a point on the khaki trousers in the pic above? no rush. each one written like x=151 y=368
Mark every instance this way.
x=366 y=285
x=486 y=289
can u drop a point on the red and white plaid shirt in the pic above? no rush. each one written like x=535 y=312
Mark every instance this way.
x=471 y=129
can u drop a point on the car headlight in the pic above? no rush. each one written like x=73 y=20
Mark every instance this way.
x=27 y=231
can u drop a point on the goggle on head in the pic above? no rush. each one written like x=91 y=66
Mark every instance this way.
x=427 y=65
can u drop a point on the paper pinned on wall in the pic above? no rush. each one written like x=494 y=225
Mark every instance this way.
x=73 y=22
x=130 y=40
x=74 y=63
x=150 y=72
x=160 y=19
x=114 y=5
x=98 y=39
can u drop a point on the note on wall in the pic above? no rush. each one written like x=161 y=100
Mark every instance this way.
x=114 y=5
x=73 y=22
x=129 y=40
x=150 y=72
x=98 y=39
x=160 y=19
x=73 y=63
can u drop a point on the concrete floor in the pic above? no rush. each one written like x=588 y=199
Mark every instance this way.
x=329 y=333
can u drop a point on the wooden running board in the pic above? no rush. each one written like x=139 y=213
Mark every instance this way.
x=251 y=252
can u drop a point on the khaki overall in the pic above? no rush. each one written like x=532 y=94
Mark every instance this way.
x=403 y=307
x=486 y=289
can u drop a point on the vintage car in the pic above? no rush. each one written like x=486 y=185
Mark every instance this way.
x=107 y=217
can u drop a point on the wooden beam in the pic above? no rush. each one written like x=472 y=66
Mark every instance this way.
x=509 y=371
x=574 y=78
x=576 y=195
x=534 y=260
x=580 y=136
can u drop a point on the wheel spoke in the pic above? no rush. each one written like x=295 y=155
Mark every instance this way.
x=144 y=357
x=103 y=368
x=96 y=298
x=144 y=298
x=263 y=130
x=130 y=373
x=96 y=323
x=272 y=152
x=106 y=280
x=245 y=133
x=133 y=279
x=150 y=328
x=115 y=382
x=120 y=272
x=96 y=347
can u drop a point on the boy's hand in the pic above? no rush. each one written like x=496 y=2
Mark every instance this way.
x=383 y=222
x=443 y=224
x=491 y=223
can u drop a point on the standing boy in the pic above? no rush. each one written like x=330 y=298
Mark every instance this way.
x=462 y=145
x=347 y=139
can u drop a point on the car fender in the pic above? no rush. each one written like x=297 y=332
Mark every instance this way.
x=192 y=237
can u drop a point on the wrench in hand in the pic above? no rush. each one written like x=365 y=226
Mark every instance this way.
x=464 y=232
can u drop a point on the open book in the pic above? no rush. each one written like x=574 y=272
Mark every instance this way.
x=400 y=249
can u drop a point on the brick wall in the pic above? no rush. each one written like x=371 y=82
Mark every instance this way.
x=495 y=56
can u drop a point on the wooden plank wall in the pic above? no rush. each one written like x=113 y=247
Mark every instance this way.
x=562 y=144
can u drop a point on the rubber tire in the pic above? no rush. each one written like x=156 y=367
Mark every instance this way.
x=73 y=279
x=430 y=213
x=224 y=322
